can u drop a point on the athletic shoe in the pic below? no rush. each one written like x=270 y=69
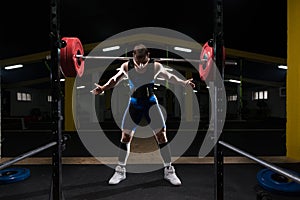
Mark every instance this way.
x=119 y=175
x=170 y=175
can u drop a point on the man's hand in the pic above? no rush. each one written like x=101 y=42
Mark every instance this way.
x=189 y=82
x=97 y=90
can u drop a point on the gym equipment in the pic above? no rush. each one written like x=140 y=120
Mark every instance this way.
x=274 y=182
x=70 y=64
x=72 y=58
x=12 y=175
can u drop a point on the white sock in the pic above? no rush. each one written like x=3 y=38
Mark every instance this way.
x=167 y=164
x=122 y=164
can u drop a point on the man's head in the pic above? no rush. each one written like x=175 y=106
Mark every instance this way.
x=141 y=54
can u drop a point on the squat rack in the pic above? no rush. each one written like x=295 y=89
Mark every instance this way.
x=56 y=44
x=58 y=143
x=219 y=144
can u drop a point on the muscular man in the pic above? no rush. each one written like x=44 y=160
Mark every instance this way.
x=141 y=72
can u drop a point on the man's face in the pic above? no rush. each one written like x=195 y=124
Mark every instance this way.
x=141 y=59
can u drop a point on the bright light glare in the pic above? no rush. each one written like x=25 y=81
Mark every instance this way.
x=234 y=81
x=13 y=66
x=111 y=48
x=183 y=49
x=282 y=67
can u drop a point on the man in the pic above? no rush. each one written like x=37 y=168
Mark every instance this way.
x=141 y=72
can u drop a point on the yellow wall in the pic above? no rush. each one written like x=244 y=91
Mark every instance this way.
x=293 y=80
x=68 y=115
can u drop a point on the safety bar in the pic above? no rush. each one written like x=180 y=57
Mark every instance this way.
x=26 y=155
x=268 y=165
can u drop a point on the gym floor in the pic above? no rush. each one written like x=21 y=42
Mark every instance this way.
x=85 y=178
x=89 y=182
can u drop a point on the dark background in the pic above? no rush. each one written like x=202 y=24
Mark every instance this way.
x=249 y=25
x=258 y=26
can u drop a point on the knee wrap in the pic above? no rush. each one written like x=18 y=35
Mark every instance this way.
x=126 y=138
x=161 y=136
x=165 y=152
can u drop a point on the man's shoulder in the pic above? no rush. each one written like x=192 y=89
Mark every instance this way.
x=125 y=65
x=157 y=65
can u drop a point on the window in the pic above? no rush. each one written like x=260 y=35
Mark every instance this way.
x=22 y=96
x=232 y=97
x=263 y=94
x=49 y=98
x=28 y=97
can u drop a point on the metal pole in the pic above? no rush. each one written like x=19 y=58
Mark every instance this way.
x=219 y=60
x=240 y=92
x=26 y=155
x=0 y=114
x=218 y=36
x=128 y=58
x=56 y=44
x=276 y=169
x=218 y=153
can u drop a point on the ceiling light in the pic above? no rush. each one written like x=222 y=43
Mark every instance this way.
x=80 y=87
x=230 y=62
x=183 y=49
x=234 y=81
x=111 y=48
x=13 y=66
x=282 y=67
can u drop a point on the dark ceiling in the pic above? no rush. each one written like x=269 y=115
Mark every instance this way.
x=258 y=26
x=251 y=25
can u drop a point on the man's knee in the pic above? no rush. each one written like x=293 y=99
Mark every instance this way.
x=161 y=136
x=126 y=136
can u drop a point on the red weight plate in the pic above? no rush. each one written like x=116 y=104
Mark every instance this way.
x=206 y=58
x=72 y=66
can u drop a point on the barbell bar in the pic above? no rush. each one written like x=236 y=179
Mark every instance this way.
x=128 y=58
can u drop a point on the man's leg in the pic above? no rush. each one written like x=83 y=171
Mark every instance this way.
x=169 y=171
x=164 y=148
x=124 y=150
x=124 y=147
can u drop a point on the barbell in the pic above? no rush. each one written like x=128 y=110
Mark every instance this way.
x=72 y=58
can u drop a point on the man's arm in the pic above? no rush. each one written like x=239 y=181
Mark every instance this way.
x=163 y=73
x=112 y=82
